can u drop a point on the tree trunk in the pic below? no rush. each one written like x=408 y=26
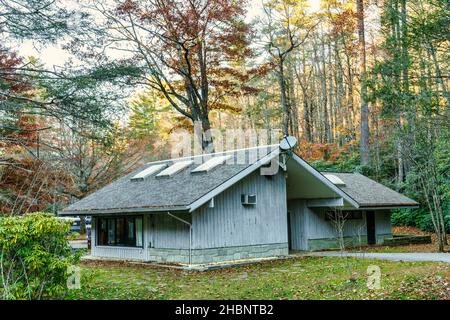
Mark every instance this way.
x=351 y=106
x=302 y=80
x=439 y=77
x=202 y=132
x=339 y=93
x=365 y=134
x=307 y=120
x=330 y=95
x=283 y=96
x=293 y=102
x=326 y=116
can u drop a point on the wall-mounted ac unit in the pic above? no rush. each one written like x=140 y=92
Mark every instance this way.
x=248 y=199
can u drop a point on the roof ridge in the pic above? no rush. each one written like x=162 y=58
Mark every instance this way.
x=211 y=154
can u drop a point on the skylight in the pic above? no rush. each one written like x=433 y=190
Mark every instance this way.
x=335 y=180
x=211 y=163
x=148 y=171
x=175 y=168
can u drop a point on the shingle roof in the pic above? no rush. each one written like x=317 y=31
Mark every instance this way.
x=176 y=192
x=179 y=191
x=369 y=193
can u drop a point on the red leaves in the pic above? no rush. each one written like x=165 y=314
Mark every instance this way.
x=28 y=131
x=9 y=60
x=197 y=43
x=321 y=151
x=128 y=6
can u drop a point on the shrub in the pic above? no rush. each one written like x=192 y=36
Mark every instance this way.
x=419 y=218
x=34 y=257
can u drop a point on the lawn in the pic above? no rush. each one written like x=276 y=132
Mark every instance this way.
x=296 y=278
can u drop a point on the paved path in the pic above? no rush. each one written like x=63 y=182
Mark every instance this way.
x=413 y=256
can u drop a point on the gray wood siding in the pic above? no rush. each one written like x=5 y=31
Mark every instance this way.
x=166 y=232
x=298 y=224
x=126 y=253
x=383 y=222
x=93 y=232
x=307 y=223
x=319 y=228
x=230 y=223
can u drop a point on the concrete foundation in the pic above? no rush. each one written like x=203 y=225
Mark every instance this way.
x=218 y=254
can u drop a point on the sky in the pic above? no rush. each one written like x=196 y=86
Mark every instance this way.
x=54 y=55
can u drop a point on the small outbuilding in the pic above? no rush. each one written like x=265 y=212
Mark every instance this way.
x=240 y=204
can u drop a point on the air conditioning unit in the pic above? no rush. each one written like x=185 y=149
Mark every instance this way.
x=248 y=199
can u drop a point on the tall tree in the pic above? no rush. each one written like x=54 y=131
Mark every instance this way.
x=405 y=86
x=27 y=88
x=284 y=28
x=34 y=99
x=365 y=133
x=187 y=50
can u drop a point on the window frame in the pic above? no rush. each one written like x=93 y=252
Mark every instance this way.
x=115 y=218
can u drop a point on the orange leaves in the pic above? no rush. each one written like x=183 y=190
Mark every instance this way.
x=233 y=108
x=28 y=131
x=344 y=22
x=30 y=185
x=262 y=69
x=321 y=151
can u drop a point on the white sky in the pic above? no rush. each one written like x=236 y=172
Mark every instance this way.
x=54 y=55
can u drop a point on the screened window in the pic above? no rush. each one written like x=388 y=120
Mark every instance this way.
x=120 y=231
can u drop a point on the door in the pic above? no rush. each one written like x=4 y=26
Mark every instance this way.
x=370 y=221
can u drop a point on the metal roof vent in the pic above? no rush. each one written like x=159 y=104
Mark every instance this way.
x=175 y=168
x=147 y=172
x=335 y=180
x=211 y=164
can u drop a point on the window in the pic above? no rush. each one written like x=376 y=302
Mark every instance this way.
x=335 y=180
x=120 y=231
x=175 y=168
x=345 y=215
x=148 y=171
x=211 y=164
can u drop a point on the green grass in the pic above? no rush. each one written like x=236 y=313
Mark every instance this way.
x=298 y=278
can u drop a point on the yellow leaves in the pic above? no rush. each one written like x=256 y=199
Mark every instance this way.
x=293 y=12
x=348 y=5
